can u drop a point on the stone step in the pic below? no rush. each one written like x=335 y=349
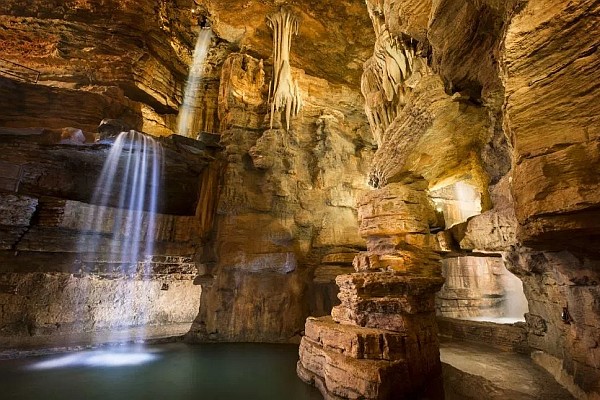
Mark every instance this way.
x=356 y=342
x=382 y=284
x=403 y=323
x=338 y=376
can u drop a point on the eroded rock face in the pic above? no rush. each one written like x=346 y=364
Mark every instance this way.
x=115 y=59
x=551 y=109
x=61 y=282
x=334 y=39
x=553 y=281
x=381 y=341
x=555 y=142
x=473 y=287
x=136 y=55
x=287 y=208
x=92 y=308
x=514 y=70
x=445 y=84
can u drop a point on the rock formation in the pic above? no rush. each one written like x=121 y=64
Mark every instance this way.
x=51 y=253
x=285 y=214
x=381 y=341
x=450 y=123
x=283 y=89
x=497 y=97
x=125 y=62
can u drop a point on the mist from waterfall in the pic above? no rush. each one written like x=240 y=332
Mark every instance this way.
x=119 y=232
x=185 y=119
x=469 y=202
x=515 y=302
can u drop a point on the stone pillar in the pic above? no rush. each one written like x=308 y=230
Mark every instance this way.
x=381 y=341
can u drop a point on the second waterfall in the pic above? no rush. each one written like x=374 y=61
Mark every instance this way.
x=185 y=119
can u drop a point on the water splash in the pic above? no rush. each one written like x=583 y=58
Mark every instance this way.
x=185 y=119
x=97 y=358
x=118 y=242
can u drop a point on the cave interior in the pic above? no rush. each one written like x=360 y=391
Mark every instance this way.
x=401 y=196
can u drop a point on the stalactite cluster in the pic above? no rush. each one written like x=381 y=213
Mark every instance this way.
x=389 y=74
x=283 y=91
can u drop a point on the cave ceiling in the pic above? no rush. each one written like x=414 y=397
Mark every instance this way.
x=334 y=39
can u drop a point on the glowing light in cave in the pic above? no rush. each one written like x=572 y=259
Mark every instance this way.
x=469 y=201
x=122 y=238
x=97 y=358
x=458 y=202
x=186 y=117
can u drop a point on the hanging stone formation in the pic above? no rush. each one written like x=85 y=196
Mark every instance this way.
x=389 y=75
x=283 y=90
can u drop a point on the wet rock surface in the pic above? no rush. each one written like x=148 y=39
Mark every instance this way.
x=470 y=370
x=61 y=283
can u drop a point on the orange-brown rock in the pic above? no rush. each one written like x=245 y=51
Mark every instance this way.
x=555 y=143
x=329 y=44
x=346 y=361
x=285 y=211
x=340 y=377
x=355 y=342
x=386 y=300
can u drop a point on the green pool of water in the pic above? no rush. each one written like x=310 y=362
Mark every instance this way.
x=171 y=371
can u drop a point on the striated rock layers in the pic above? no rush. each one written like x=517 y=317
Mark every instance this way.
x=283 y=200
x=551 y=72
x=286 y=221
x=507 y=102
x=381 y=341
x=501 y=96
x=61 y=281
x=99 y=59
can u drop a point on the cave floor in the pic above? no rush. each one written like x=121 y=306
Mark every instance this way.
x=475 y=371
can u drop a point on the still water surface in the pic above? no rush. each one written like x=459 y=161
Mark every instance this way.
x=172 y=371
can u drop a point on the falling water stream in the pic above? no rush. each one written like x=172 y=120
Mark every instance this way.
x=185 y=120
x=118 y=241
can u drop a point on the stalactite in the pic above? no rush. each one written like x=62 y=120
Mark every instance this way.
x=388 y=76
x=283 y=91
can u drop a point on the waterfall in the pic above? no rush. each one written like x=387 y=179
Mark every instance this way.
x=515 y=302
x=185 y=119
x=118 y=241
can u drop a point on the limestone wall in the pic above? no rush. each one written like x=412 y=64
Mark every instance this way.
x=518 y=80
x=286 y=220
x=61 y=281
x=98 y=59
x=48 y=309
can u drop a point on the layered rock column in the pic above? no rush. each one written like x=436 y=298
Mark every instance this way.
x=381 y=341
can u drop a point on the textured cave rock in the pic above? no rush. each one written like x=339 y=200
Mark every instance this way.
x=113 y=59
x=473 y=287
x=502 y=96
x=555 y=142
x=550 y=71
x=388 y=305
x=56 y=292
x=335 y=37
x=286 y=219
x=507 y=102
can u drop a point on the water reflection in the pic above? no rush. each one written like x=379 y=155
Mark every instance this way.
x=175 y=372
x=97 y=358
